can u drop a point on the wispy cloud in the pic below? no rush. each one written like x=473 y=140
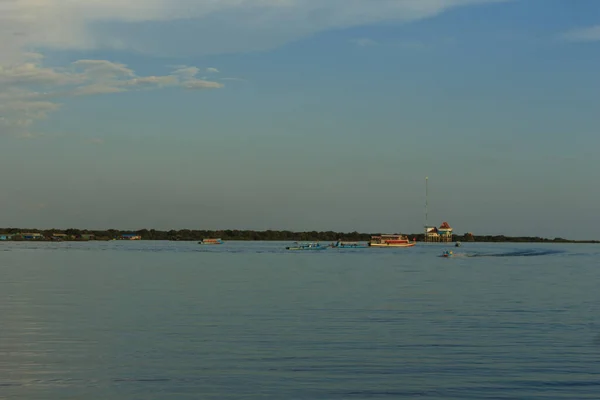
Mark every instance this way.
x=29 y=91
x=222 y=26
x=406 y=44
x=199 y=84
x=587 y=34
x=364 y=42
x=185 y=72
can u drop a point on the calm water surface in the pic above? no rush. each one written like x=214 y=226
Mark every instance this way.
x=173 y=320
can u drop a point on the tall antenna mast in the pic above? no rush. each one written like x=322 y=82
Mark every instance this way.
x=426 y=204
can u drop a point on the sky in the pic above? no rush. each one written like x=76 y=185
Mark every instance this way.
x=301 y=115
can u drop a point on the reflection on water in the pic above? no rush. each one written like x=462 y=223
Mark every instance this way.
x=173 y=320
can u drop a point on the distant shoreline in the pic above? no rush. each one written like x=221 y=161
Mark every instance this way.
x=16 y=234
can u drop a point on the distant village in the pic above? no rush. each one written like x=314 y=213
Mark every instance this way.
x=444 y=233
x=432 y=234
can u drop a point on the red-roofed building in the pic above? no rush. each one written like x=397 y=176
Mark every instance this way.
x=445 y=231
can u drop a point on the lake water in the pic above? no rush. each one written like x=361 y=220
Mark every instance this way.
x=177 y=320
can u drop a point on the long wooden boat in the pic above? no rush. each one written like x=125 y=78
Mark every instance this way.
x=306 y=246
x=391 y=241
x=349 y=245
x=211 y=241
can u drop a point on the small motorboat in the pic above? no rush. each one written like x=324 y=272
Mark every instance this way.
x=306 y=246
x=447 y=253
x=458 y=244
x=211 y=241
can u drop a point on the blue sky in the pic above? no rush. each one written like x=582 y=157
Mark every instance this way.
x=301 y=115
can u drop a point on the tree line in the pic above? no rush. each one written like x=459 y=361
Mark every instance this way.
x=268 y=235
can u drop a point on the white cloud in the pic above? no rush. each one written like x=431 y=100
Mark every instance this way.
x=204 y=26
x=588 y=34
x=29 y=90
x=186 y=72
x=199 y=84
x=103 y=68
x=212 y=70
x=31 y=73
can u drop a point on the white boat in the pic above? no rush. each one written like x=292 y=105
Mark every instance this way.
x=391 y=241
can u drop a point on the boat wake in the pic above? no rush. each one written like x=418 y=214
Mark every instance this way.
x=520 y=253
